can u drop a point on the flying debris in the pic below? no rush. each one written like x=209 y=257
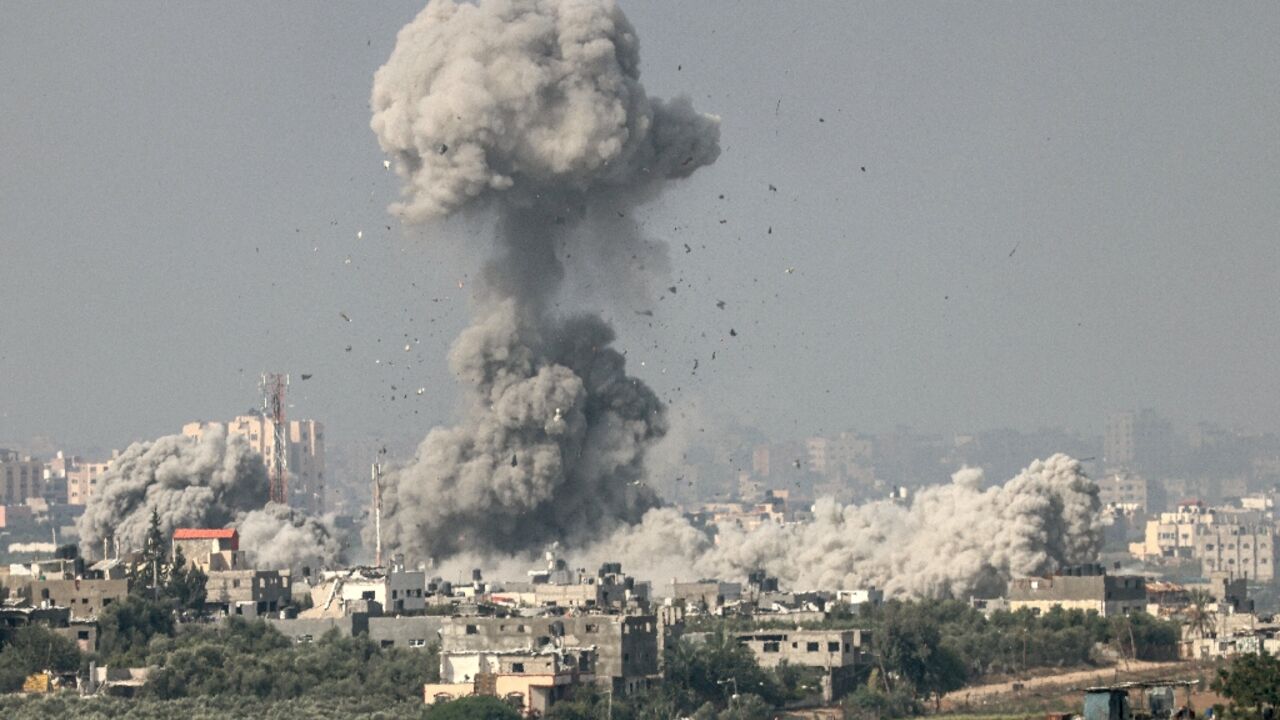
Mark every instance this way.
x=687 y=249
x=733 y=333
x=421 y=390
x=359 y=234
x=720 y=304
x=1015 y=248
x=646 y=313
x=523 y=149
x=672 y=289
x=306 y=376
x=790 y=270
x=344 y=316
x=386 y=164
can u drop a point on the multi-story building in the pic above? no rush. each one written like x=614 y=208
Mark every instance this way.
x=1083 y=587
x=1128 y=491
x=231 y=581
x=531 y=681
x=305 y=460
x=557 y=586
x=626 y=645
x=82 y=476
x=1177 y=535
x=1141 y=442
x=1245 y=551
x=85 y=598
x=20 y=478
x=395 y=589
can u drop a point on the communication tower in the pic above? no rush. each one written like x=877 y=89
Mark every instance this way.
x=273 y=388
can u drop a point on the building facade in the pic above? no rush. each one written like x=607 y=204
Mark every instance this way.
x=305 y=459
x=1084 y=587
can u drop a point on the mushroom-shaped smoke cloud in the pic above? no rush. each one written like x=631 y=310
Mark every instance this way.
x=531 y=110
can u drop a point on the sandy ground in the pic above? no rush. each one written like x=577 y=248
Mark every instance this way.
x=1080 y=678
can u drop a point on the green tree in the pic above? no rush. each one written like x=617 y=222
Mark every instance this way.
x=715 y=669
x=1252 y=680
x=127 y=627
x=185 y=584
x=33 y=649
x=155 y=564
x=1199 y=614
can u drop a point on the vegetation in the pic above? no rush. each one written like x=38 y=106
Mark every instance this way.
x=1252 y=682
x=33 y=649
x=252 y=659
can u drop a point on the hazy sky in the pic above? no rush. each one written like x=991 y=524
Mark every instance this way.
x=1066 y=209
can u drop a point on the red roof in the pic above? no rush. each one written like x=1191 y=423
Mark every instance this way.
x=205 y=534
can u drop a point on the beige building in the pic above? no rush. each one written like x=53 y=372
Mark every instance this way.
x=305 y=461
x=1125 y=491
x=83 y=477
x=530 y=681
x=20 y=478
x=1181 y=534
x=1245 y=551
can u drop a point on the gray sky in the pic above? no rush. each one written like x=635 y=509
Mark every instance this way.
x=1067 y=209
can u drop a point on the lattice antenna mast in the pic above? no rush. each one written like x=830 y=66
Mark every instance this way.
x=273 y=388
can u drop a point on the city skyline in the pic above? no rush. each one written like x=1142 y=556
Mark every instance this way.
x=1026 y=247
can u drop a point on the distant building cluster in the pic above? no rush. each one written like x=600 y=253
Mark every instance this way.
x=40 y=499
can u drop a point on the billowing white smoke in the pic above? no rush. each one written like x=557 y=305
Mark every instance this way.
x=951 y=540
x=531 y=110
x=278 y=537
x=190 y=482
x=213 y=481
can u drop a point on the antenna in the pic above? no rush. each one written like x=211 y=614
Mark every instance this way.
x=376 y=474
x=273 y=388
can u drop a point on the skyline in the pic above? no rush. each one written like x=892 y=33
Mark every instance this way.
x=1032 y=242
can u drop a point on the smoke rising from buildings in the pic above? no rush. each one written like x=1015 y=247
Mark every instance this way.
x=950 y=540
x=531 y=112
x=189 y=482
x=278 y=536
x=210 y=481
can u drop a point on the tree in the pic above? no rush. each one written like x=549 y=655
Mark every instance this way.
x=185 y=585
x=710 y=671
x=127 y=627
x=1199 y=614
x=1253 y=680
x=33 y=649
x=155 y=564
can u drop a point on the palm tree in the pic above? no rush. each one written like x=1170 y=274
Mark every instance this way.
x=1199 y=614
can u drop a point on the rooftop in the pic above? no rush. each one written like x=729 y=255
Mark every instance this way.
x=204 y=534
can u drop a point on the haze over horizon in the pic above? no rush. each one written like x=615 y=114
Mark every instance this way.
x=1062 y=213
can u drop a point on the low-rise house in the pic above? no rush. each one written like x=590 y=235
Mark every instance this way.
x=626 y=645
x=1081 y=587
x=529 y=680
x=86 y=598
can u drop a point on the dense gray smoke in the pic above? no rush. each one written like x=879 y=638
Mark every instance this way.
x=951 y=540
x=532 y=110
x=190 y=482
x=278 y=537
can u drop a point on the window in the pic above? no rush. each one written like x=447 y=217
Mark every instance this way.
x=593 y=628
x=517 y=667
x=833 y=647
x=1208 y=546
x=771 y=647
x=387 y=643
x=417 y=642
x=811 y=647
x=82 y=634
x=235 y=583
x=472 y=630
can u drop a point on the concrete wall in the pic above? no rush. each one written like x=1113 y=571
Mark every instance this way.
x=626 y=646
x=417 y=632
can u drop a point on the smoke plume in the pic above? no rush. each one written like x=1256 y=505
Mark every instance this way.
x=188 y=481
x=950 y=540
x=532 y=112
x=278 y=537
x=211 y=481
